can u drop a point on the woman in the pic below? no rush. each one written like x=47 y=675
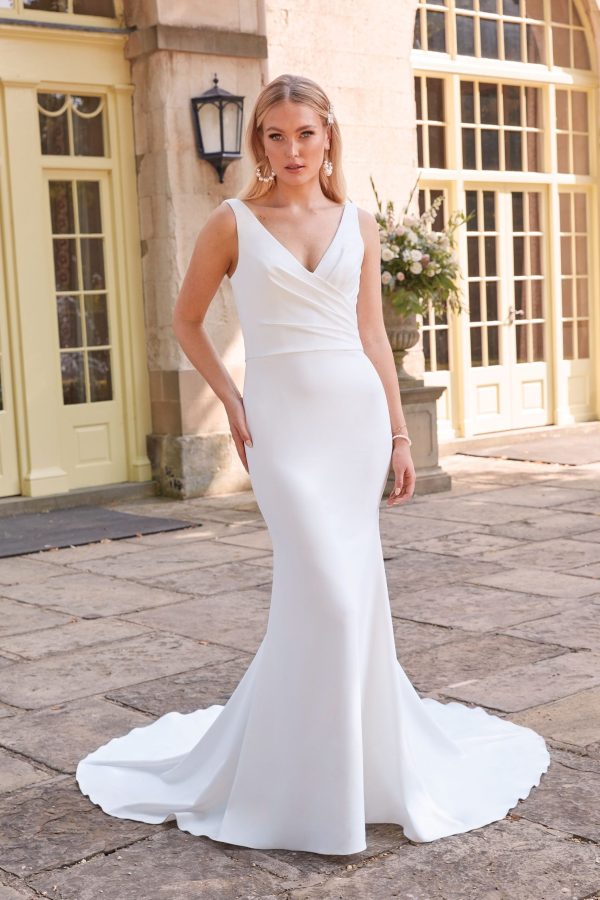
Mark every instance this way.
x=324 y=732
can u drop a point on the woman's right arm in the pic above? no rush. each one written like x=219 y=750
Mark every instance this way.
x=214 y=255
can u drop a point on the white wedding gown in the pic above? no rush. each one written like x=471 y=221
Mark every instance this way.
x=324 y=732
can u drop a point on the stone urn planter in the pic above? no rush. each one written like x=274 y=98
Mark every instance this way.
x=403 y=334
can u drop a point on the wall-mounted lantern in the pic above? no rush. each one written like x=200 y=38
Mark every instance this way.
x=218 y=119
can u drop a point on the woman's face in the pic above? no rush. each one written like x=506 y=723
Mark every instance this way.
x=295 y=139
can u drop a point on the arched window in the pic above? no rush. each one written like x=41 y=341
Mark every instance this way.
x=505 y=118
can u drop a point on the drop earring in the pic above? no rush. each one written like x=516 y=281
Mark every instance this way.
x=262 y=177
x=327 y=167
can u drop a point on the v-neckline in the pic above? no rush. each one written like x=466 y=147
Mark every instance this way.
x=288 y=251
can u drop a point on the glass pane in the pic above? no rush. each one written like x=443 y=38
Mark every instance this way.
x=511 y=7
x=436 y=31
x=581 y=255
x=490 y=255
x=88 y=202
x=582 y=297
x=464 y=4
x=489 y=38
x=567 y=297
x=468 y=148
x=490 y=155
x=518 y=223
x=580 y=212
x=441 y=349
x=536 y=44
x=471 y=204
x=565 y=211
x=100 y=375
x=476 y=354
x=562 y=110
x=418 y=98
x=467 y=101
x=534 y=9
x=559 y=10
x=535 y=255
x=92 y=264
x=473 y=255
x=88 y=131
x=61 y=207
x=491 y=300
x=562 y=147
x=511 y=95
x=568 y=350
x=54 y=134
x=520 y=292
x=561 y=47
x=521 y=342
x=535 y=152
x=435 y=100
x=96 y=320
x=492 y=337
x=420 y=158
x=465 y=36
x=513 y=151
x=583 y=340
x=47 y=5
x=417 y=35
x=488 y=103
x=581 y=56
x=489 y=6
x=579 y=106
x=474 y=301
x=581 y=164
x=437 y=150
x=73 y=378
x=518 y=255
x=65 y=264
x=537 y=299
x=565 y=255
x=489 y=211
x=69 y=322
x=94 y=8
x=512 y=41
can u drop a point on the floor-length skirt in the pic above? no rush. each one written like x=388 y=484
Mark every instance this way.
x=324 y=732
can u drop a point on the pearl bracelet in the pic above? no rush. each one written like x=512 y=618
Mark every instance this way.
x=404 y=437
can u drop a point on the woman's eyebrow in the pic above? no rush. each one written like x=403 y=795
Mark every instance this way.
x=302 y=128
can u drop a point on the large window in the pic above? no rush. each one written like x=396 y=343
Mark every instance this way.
x=504 y=94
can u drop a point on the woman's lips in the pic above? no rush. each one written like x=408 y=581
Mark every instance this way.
x=294 y=168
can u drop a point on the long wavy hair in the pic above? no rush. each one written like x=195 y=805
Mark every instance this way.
x=298 y=89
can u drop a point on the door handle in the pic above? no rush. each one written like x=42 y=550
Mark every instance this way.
x=512 y=314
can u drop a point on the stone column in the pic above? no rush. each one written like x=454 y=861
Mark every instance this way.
x=175 y=50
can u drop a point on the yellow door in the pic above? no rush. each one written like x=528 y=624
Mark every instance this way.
x=9 y=466
x=507 y=333
x=74 y=293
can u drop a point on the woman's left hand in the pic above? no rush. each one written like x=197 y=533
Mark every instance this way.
x=404 y=475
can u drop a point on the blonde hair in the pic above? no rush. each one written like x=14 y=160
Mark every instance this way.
x=298 y=89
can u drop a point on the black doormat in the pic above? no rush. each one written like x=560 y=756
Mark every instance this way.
x=31 y=532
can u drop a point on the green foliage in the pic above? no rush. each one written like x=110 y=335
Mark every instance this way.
x=419 y=266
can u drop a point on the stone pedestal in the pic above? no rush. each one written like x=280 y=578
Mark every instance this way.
x=419 y=405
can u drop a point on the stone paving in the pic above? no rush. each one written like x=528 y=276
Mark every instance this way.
x=495 y=594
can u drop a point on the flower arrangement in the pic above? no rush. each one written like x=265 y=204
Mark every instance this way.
x=419 y=266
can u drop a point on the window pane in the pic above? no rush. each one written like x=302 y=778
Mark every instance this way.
x=69 y=322
x=92 y=264
x=465 y=36
x=94 y=8
x=96 y=320
x=437 y=151
x=488 y=101
x=489 y=39
x=61 y=207
x=436 y=31
x=468 y=148
x=489 y=149
x=88 y=136
x=100 y=375
x=47 y=5
x=476 y=354
x=512 y=41
x=73 y=378
x=435 y=100
x=492 y=337
x=65 y=264
x=88 y=202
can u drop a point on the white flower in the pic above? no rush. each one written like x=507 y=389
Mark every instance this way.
x=400 y=230
x=410 y=221
x=430 y=271
x=387 y=253
x=416 y=255
x=400 y=276
x=416 y=268
x=386 y=277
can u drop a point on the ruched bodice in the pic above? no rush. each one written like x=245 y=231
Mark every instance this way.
x=283 y=306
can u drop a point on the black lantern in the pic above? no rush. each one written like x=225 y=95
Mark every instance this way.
x=218 y=123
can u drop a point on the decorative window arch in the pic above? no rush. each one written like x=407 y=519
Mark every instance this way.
x=506 y=120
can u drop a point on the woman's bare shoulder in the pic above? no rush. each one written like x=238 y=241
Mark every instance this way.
x=368 y=224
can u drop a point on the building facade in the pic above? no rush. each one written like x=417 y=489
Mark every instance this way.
x=494 y=103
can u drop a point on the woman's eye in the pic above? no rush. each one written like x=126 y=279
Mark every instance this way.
x=278 y=135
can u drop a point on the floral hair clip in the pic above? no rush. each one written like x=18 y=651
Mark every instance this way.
x=330 y=116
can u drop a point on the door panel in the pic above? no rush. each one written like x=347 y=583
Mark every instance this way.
x=507 y=292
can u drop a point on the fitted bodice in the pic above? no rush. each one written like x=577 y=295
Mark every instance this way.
x=283 y=306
